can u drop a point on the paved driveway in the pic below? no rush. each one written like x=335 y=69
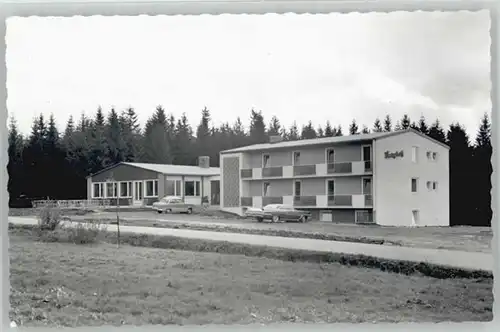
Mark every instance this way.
x=459 y=259
x=475 y=239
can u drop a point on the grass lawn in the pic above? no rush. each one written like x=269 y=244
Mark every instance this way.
x=60 y=284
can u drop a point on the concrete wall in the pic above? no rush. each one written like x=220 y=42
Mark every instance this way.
x=393 y=199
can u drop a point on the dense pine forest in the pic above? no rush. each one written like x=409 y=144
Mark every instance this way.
x=51 y=164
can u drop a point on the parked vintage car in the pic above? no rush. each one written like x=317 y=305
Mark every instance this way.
x=170 y=204
x=277 y=213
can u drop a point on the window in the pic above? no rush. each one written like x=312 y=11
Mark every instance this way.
x=298 y=188
x=414 y=185
x=367 y=186
x=434 y=185
x=296 y=158
x=414 y=154
x=330 y=188
x=367 y=153
x=429 y=185
x=178 y=188
x=192 y=188
x=111 y=189
x=170 y=188
x=125 y=189
x=266 y=188
x=330 y=156
x=151 y=188
x=432 y=155
x=98 y=190
x=266 y=160
x=173 y=188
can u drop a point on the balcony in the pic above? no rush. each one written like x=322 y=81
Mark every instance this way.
x=304 y=200
x=266 y=200
x=246 y=173
x=304 y=170
x=272 y=172
x=246 y=201
x=339 y=200
x=345 y=167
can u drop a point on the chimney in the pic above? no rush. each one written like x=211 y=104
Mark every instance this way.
x=204 y=161
x=275 y=139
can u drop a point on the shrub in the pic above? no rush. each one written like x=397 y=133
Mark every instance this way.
x=85 y=233
x=49 y=218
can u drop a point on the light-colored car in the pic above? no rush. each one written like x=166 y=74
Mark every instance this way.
x=172 y=204
x=278 y=213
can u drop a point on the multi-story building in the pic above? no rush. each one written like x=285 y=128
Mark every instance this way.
x=395 y=179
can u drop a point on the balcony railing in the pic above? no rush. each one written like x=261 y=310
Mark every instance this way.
x=272 y=172
x=246 y=201
x=266 y=200
x=304 y=170
x=246 y=173
x=304 y=200
x=345 y=167
x=368 y=200
x=339 y=200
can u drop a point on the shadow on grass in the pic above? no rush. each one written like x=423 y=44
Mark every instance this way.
x=292 y=255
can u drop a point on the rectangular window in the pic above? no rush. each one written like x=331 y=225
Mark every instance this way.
x=330 y=156
x=178 y=188
x=266 y=160
x=434 y=156
x=367 y=186
x=330 y=188
x=429 y=155
x=414 y=186
x=434 y=185
x=151 y=188
x=170 y=188
x=296 y=158
x=298 y=188
x=98 y=190
x=429 y=185
x=197 y=190
x=111 y=189
x=189 y=188
x=367 y=153
x=414 y=154
x=266 y=189
x=125 y=189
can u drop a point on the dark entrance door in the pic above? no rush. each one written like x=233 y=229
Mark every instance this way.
x=215 y=192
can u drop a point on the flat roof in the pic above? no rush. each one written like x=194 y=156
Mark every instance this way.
x=169 y=169
x=327 y=140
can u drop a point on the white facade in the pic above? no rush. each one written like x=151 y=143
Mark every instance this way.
x=394 y=202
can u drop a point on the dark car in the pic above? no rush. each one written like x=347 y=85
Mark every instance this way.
x=278 y=213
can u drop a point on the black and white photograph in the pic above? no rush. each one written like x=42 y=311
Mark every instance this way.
x=250 y=169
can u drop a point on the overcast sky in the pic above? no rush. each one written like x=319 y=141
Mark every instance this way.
x=298 y=67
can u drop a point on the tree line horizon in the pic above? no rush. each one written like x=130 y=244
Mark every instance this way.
x=54 y=164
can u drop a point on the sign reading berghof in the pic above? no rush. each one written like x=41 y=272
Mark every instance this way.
x=393 y=155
